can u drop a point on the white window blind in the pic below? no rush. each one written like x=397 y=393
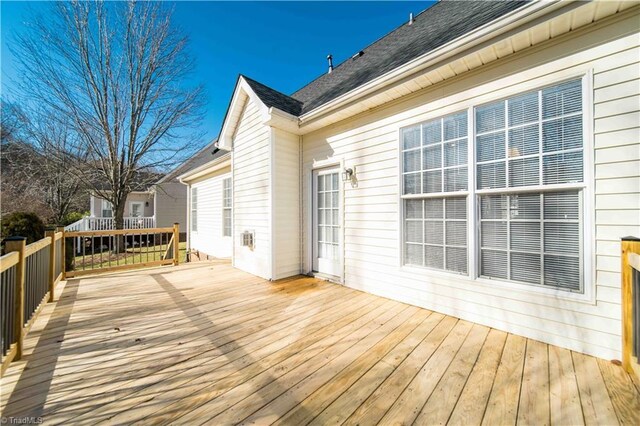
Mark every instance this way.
x=531 y=142
x=529 y=187
x=435 y=164
x=436 y=233
x=532 y=238
x=194 y=209
x=531 y=139
x=226 y=207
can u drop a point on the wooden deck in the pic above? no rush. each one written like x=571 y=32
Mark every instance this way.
x=204 y=343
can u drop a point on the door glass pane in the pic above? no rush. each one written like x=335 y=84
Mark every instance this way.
x=328 y=229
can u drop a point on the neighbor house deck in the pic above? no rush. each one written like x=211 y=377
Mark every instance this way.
x=205 y=343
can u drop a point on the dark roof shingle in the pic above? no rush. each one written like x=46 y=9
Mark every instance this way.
x=273 y=98
x=202 y=157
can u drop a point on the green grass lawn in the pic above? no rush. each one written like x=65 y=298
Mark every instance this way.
x=134 y=255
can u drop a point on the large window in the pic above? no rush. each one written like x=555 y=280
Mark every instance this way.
x=529 y=186
x=435 y=174
x=194 y=209
x=226 y=207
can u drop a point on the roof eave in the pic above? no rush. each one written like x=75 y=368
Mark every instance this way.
x=209 y=167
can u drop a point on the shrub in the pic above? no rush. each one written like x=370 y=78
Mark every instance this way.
x=23 y=224
x=74 y=217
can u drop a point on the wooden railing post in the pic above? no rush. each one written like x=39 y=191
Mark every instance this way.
x=63 y=254
x=18 y=244
x=51 y=233
x=630 y=246
x=176 y=244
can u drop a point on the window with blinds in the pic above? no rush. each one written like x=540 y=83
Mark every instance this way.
x=528 y=192
x=194 y=209
x=226 y=207
x=531 y=142
x=435 y=168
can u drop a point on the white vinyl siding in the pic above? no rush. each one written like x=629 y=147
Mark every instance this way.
x=286 y=204
x=208 y=239
x=226 y=207
x=373 y=212
x=251 y=194
x=194 y=209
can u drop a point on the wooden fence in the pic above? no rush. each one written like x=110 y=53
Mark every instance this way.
x=28 y=276
x=29 y=273
x=114 y=250
x=631 y=305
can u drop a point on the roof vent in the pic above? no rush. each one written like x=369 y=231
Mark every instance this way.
x=330 y=60
x=357 y=55
x=411 y=18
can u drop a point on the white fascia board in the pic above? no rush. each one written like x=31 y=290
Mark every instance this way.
x=211 y=166
x=505 y=24
x=238 y=100
x=283 y=121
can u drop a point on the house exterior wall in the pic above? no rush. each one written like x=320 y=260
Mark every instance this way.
x=171 y=205
x=208 y=238
x=96 y=204
x=607 y=51
x=286 y=203
x=251 y=165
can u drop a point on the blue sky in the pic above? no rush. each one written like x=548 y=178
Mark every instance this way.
x=281 y=44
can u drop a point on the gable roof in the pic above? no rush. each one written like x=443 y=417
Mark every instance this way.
x=202 y=157
x=273 y=98
x=439 y=24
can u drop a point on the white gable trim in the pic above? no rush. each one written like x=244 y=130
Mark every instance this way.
x=241 y=94
x=271 y=116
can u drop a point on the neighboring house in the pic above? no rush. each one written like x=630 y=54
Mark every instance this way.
x=149 y=205
x=481 y=160
x=139 y=204
x=208 y=179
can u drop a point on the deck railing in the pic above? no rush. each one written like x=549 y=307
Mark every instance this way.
x=28 y=276
x=29 y=273
x=112 y=250
x=631 y=305
x=107 y=223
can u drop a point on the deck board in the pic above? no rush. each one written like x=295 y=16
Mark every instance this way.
x=205 y=343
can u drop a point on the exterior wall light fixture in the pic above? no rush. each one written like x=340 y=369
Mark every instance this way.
x=347 y=174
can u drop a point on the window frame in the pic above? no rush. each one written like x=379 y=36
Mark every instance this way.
x=106 y=203
x=226 y=208
x=586 y=188
x=193 y=210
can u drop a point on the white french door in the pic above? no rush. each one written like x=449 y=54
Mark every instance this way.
x=327 y=222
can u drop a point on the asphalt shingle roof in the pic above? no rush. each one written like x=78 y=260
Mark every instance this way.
x=436 y=26
x=273 y=98
x=201 y=158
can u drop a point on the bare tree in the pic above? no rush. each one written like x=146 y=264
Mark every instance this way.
x=119 y=72
x=41 y=164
